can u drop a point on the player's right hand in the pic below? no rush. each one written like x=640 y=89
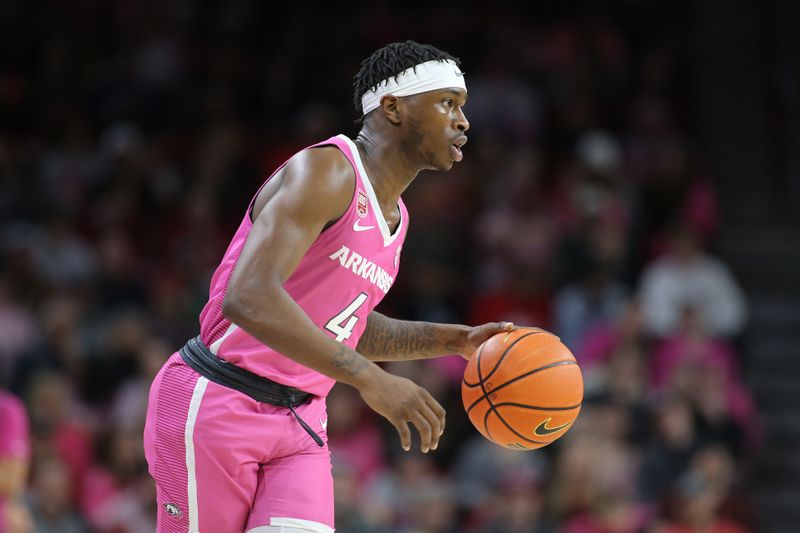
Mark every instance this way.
x=401 y=401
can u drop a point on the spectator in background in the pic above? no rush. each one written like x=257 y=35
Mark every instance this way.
x=433 y=509
x=599 y=342
x=351 y=516
x=718 y=467
x=114 y=495
x=355 y=436
x=715 y=401
x=50 y=499
x=669 y=451
x=517 y=507
x=18 y=330
x=523 y=297
x=62 y=257
x=601 y=194
x=671 y=187
x=691 y=341
x=61 y=430
x=112 y=356
x=697 y=508
x=594 y=300
x=705 y=371
x=58 y=348
x=687 y=276
x=595 y=472
x=483 y=470
x=392 y=498
x=15 y=455
x=622 y=381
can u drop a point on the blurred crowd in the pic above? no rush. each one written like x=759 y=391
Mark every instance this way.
x=132 y=135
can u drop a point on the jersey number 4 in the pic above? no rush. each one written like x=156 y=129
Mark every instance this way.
x=343 y=323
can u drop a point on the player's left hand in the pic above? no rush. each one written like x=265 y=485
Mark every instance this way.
x=477 y=335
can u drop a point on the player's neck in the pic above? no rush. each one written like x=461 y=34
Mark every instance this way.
x=389 y=171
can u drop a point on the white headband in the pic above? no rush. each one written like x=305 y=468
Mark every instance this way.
x=421 y=78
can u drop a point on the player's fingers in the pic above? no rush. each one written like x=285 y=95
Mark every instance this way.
x=437 y=409
x=404 y=432
x=493 y=328
x=425 y=431
x=436 y=422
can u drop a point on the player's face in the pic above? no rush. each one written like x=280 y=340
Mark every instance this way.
x=437 y=127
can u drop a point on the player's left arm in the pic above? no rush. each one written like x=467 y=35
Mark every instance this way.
x=389 y=339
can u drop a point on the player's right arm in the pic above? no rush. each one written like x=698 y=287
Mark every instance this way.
x=310 y=192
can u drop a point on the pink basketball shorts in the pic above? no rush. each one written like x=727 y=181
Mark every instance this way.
x=224 y=462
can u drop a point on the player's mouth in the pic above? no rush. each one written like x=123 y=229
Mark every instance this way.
x=455 y=149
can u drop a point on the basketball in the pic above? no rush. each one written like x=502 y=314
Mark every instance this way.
x=522 y=389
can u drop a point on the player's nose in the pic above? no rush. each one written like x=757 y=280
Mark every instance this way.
x=461 y=121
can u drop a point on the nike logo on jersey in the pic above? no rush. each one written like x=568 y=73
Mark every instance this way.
x=358 y=227
x=324 y=424
x=542 y=430
x=361 y=266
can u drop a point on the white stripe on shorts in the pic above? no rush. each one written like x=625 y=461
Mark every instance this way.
x=191 y=417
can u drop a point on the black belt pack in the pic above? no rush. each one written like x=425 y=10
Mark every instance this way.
x=197 y=355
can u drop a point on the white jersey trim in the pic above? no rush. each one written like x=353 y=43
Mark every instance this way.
x=217 y=344
x=292 y=524
x=388 y=238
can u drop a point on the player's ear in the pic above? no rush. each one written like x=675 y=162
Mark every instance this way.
x=390 y=108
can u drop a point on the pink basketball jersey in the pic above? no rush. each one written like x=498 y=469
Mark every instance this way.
x=347 y=271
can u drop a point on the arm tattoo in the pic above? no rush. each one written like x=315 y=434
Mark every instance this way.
x=348 y=361
x=387 y=339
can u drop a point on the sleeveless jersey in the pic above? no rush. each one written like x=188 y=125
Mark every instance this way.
x=345 y=273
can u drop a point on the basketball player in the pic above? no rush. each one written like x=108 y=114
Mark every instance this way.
x=235 y=434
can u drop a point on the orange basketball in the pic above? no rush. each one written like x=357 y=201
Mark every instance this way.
x=522 y=389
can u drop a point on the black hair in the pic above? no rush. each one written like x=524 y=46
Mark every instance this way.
x=390 y=61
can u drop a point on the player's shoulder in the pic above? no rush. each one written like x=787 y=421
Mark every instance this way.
x=317 y=180
x=326 y=167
